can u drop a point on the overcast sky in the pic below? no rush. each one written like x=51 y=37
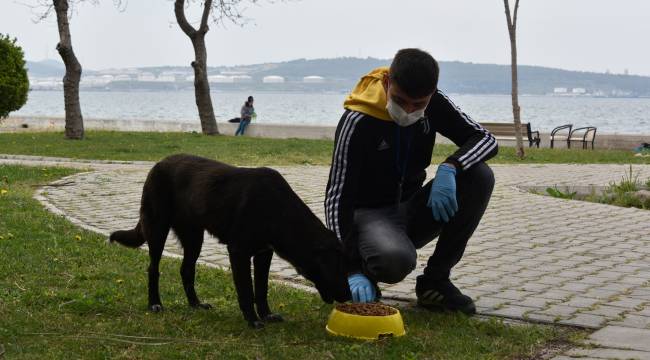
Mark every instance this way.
x=590 y=35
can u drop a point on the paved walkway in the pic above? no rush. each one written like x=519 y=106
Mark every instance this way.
x=534 y=258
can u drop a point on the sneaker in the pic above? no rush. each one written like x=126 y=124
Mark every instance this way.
x=445 y=296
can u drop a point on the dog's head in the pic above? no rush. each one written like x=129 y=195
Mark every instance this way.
x=328 y=272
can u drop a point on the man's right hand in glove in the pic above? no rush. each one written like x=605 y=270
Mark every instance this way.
x=362 y=289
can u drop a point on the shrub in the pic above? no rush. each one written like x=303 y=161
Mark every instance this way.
x=14 y=83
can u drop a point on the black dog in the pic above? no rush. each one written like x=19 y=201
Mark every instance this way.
x=253 y=211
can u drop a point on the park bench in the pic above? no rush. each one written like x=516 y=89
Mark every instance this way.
x=584 y=135
x=558 y=134
x=506 y=131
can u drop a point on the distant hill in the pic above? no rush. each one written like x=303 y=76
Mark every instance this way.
x=488 y=78
x=455 y=77
x=462 y=77
x=338 y=68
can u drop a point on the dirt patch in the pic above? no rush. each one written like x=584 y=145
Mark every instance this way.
x=370 y=309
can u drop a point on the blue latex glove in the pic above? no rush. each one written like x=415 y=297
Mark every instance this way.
x=442 y=198
x=362 y=289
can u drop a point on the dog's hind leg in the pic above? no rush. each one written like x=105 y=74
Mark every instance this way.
x=156 y=235
x=155 y=253
x=241 y=272
x=192 y=241
x=155 y=215
x=262 y=264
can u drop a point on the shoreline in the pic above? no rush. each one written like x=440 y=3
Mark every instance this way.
x=624 y=141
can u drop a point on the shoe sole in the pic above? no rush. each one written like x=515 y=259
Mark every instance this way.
x=469 y=311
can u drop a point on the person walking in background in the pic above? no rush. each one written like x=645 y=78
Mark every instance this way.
x=247 y=113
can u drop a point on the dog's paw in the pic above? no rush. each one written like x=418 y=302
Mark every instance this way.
x=155 y=308
x=256 y=324
x=202 y=306
x=272 y=318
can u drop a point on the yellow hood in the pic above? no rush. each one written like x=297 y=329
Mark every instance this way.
x=369 y=96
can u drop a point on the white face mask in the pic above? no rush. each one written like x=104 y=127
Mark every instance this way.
x=401 y=117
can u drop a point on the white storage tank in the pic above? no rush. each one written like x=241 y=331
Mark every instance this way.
x=273 y=79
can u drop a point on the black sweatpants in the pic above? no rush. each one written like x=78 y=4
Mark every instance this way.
x=389 y=236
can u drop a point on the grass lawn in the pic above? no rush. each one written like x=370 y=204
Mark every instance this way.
x=251 y=151
x=64 y=293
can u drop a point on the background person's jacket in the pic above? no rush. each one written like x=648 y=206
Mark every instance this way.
x=372 y=153
x=247 y=112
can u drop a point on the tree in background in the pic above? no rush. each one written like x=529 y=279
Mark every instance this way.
x=74 y=125
x=219 y=11
x=14 y=83
x=516 y=111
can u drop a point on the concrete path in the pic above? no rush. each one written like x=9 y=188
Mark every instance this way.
x=534 y=258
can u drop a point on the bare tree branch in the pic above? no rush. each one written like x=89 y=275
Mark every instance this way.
x=42 y=9
x=207 y=7
x=508 y=18
x=121 y=5
x=223 y=11
x=230 y=10
x=514 y=20
x=179 y=10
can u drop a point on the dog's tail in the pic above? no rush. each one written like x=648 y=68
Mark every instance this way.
x=131 y=238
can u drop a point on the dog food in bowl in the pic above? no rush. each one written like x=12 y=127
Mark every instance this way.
x=368 y=309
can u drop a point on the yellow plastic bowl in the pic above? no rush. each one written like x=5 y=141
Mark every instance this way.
x=365 y=327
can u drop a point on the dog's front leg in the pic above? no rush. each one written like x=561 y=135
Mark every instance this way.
x=241 y=274
x=262 y=264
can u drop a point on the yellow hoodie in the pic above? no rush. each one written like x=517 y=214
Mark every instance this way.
x=369 y=96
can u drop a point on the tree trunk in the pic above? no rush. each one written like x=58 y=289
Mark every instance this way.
x=516 y=110
x=202 y=87
x=74 y=126
x=201 y=84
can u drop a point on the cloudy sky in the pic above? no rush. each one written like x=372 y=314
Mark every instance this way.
x=590 y=35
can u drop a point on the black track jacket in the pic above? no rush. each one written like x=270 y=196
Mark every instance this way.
x=371 y=155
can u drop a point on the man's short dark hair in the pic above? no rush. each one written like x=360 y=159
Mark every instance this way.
x=415 y=71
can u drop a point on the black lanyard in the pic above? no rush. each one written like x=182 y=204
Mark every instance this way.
x=401 y=165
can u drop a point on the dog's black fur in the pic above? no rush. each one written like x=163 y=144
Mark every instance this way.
x=253 y=211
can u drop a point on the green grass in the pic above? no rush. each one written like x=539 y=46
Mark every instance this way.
x=622 y=193
x=64 y=293
x=251 y=151
x=507 y=155
x=155 y=146
x=617 y=193
x=629 y=182
x=557 y=193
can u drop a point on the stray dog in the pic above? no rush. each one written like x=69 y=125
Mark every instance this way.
x=253 y=211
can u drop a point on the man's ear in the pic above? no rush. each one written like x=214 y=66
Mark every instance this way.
x=385 y=82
